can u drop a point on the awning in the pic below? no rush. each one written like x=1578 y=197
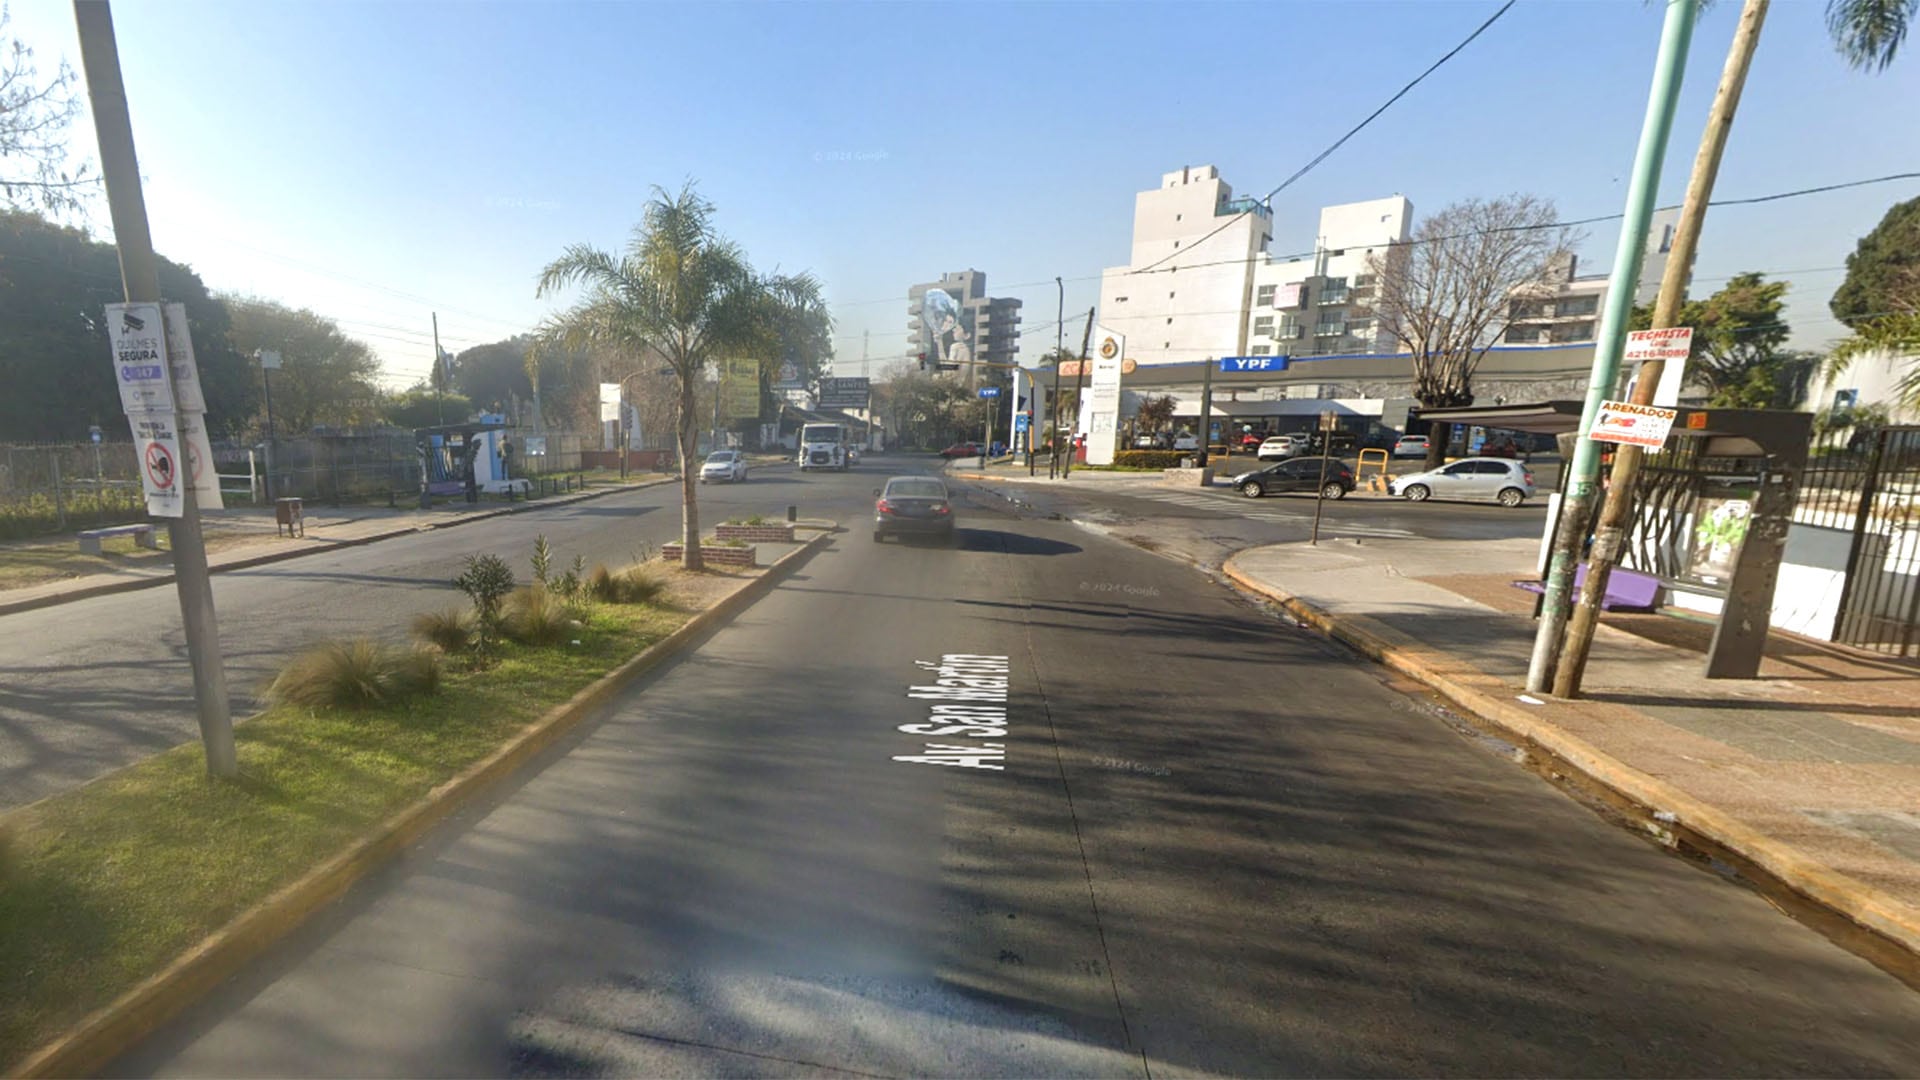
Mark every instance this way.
x=1540 y=418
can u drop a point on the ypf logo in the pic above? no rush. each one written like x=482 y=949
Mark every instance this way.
x=1108 y=349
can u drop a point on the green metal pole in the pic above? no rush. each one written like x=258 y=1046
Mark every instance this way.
x=1668 y=72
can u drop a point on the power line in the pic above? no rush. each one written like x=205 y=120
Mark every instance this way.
x=1341 y=141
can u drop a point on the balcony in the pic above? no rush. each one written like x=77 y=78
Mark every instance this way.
x=1332 y=296
x=1242 y=206
x=1328 y=330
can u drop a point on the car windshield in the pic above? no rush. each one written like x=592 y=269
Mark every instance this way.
x=590 y=755
x=916 y=489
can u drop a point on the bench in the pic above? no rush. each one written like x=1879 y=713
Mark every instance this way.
x=1627 y=590
x=142 y=535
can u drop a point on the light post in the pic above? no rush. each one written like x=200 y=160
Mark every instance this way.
x=269 y=362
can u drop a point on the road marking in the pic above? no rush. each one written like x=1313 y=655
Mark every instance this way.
x=972 y=693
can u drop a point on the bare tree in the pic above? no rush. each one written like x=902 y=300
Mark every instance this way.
x=1447 y=294
x=34 y=117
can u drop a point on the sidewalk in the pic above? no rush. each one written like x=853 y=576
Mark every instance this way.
x=1807 y=777
x=247 y=537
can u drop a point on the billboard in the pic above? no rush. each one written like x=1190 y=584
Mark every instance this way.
x=844 y=393
x=1103 y=397
x=740 y=389
x=946 y=329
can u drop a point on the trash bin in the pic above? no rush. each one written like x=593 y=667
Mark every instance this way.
x=286 y=515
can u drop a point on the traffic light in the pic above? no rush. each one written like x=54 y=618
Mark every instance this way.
x=923 y=361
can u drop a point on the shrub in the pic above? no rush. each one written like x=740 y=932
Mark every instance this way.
x=534 y=616
x=571 y=586
x=354 y=675
x=486 y=579
x=635 y=585
x=451 y=631
x=542 y=559
x=1149 y=459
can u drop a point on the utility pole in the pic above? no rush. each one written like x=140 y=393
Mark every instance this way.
x=1206 y=410
x=269 y=359
x=440 y=372
x=1053 y=409
x=1079 y=377
x=140 y=278
x=866 y=339
x=1662 y=96
x=1610 y=533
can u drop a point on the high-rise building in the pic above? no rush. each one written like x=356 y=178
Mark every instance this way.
x=954 y=322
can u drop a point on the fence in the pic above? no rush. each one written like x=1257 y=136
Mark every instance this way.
x=50 y=487
x=1872 y=486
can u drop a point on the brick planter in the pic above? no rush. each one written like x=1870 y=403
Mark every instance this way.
x=719 y=556
x=781 y=533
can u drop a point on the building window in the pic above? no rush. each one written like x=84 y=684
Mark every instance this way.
x=1263 y=296
x=1523 y=335
x=1364 y=281
x=1525 y=309
x=1262 y=324
x=1119 y=299
x=1261 y=350
x=1360 y=327
x=1334 y=291
x=1331 y=324
x=1569 y=306
x=1169 y=320
x=1177 y=217
x=1169 y=296
x=1576 y=331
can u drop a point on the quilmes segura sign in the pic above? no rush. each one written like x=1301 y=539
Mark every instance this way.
x=165 y=409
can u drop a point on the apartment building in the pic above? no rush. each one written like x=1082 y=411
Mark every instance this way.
x=969 y=326
x=1320 y=303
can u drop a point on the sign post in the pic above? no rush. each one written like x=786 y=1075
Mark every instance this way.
x=1328 y=422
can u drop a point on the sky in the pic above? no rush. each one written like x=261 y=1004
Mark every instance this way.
x=384 y=162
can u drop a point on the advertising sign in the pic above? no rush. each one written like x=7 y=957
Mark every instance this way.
x=989 y=391
x=1287 y=296
x=186 y=372
x=788 y=377
x=156 y=444
x=1719 y=528
x=1671 y=345
x=1230 y=364
x=946 y=330
x=740 y=389
x=1103 y=396
x=844 y=393
x=1633 y=425
x=135 y=334
x=609 y=401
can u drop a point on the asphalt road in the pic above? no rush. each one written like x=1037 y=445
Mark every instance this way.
x=1216 y=845
x=92 y=685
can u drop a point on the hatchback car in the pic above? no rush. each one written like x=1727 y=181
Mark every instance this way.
x=1185 y=441
x=912 y=505
x=1297 y=474
x=1410 y=446
x=728 y=465
x=1508 y=483
x=960 y=450
x=1280 y=447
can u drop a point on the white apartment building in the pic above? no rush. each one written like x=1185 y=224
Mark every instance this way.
x=1320 y=304
x=1183 y=294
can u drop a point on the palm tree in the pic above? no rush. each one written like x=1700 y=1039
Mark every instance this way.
x=680 y=291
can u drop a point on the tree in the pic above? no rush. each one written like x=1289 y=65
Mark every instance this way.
x=494 y=375
x=325 y=378
x=799 y=330
x=421 y=406
x=924 y=409
x=55 y=284
x=1446 y=295
x=34 y=118
x=1155 y=413
x=1738 y=337
x=1881 y=272
x=679 y=289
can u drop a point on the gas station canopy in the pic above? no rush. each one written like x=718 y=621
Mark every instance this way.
x=1540 y=418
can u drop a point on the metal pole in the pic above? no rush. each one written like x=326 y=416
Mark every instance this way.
x=59 y=496
x=1079 y=377
x=1206 y=410
x=1669 y=68
x=140 y=277
x=266 y=380
x=1320 y=493
x=1615 y=510
x=439 y=372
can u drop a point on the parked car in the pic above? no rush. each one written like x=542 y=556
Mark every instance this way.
x=1297 y=474
x=1186 y=441
x=1149 y=441
x=960 y=450
x=912 y=505
x=728 y=465
x=1280 y=447
x=1410 y=446
x=1508 y=483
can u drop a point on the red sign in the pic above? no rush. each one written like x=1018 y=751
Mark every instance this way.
x=160 y=466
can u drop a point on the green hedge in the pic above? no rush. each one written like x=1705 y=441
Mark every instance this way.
x=1150 y=459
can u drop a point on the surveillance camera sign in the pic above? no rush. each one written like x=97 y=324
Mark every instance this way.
x=138 y=340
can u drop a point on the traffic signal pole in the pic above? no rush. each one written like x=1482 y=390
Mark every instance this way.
x=140 y=278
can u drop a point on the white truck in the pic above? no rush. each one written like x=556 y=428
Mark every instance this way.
x=824 y=446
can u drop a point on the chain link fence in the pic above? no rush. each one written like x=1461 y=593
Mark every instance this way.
x=50 y=487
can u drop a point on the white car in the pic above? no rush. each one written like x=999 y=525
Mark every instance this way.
x=728 y=465
x=1281 y=447
x=1506 y=482
x=1186 y=442
x=1411 y=446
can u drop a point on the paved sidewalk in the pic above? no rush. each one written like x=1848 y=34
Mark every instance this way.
x=1809 y=774
x=248 y=537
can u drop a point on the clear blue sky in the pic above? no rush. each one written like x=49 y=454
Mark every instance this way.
x=381 y=161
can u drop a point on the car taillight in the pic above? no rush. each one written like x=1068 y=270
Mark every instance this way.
x=942 y=508
x=1529 y=476
x=883 y=506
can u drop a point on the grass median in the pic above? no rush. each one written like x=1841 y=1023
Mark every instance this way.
x=104 y=885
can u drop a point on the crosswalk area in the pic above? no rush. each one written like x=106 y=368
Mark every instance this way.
x=1301 y=513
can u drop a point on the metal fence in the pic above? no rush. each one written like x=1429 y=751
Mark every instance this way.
x=49 y=487
x=1880 y=602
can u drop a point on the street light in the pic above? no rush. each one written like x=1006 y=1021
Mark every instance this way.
x=269 y=362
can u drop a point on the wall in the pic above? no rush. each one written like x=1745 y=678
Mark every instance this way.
x=1806 y=598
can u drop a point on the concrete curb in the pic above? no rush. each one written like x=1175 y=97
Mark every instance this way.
x=116 y=1028
x=9 y=607
x=1891 y=925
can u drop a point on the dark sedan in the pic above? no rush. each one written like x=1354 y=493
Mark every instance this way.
x=912 y=505
x=1297 y=474
x=960 y=450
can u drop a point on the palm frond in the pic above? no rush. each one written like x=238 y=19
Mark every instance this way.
x=1869 y=33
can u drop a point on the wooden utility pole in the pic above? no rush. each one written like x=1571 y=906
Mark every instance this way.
x=140 y=278
x=1610 y=533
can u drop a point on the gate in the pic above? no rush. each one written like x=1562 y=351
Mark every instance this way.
x=1880 y=602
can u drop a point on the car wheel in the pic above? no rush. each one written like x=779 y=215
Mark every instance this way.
x=1511 y=496
x=1418 y=493
x=878 y=536
x=1333 y=490
x=1252 y=489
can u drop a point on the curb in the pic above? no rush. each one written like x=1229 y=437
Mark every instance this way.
x=118 y=1027
x=11 y=607
x=1883 y=928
